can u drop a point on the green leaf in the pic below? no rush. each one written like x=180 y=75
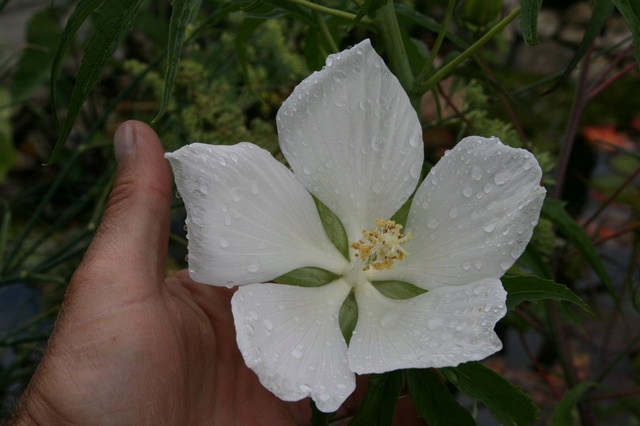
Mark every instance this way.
x=307 y=277
x=180 y=17
x=42 y=36
x=333 y=227
x=379 y=403
x=555 y=212
x=403 y=212
x=601 y=11
x=8 y=152
x=521 y=288
x=83 y=9
x=113 y=21
x=506 y=402
x=318 y=418
x=630 y=11
x=563 y=413
x=433 y=400
x=529 y=20
x=369 y=8
x=398 y=289
x=348 y=317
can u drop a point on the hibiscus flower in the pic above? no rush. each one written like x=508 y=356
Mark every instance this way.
x=354 y=142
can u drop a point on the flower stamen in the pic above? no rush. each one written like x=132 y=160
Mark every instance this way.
x=382 y=245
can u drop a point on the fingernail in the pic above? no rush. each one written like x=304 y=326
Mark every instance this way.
x=123 y=141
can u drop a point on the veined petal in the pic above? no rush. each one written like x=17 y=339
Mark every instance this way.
x=290 y=337
x=443 y=327
x=473 y=215
x=248 y=219
x=353 y=139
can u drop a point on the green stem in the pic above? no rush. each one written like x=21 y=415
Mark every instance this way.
x=448 y=68
x=438 y=43
x=325 y=32
x=333 y=12
x=390 y=32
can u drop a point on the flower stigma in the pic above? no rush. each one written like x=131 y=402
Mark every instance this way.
x=382 y=245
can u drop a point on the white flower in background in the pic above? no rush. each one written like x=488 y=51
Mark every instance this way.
x=354 y=142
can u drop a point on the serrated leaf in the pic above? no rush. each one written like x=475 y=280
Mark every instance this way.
x=398 y=289
x=180 y=17
x=529 y=20
x=555 y=212
x=508 y=404
x=348 y=317
x=379 y=403
x=563 y=413
x=434 y=402
x=333 y=227
x=601 y=11
x=521 y=288
x=630 y=11
x=307 y=277
x=113 y=21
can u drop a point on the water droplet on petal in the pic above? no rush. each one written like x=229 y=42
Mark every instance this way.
x=501 y=177
x=467 y=192
x=306 y=170
x=223 y=242
x=252 y=265
x=434 y=324
x=339 y=76
x=505 y=264
x=490 y=227
x=476 y=173
x=267 y=324
x=453 y=213
x=255 y=189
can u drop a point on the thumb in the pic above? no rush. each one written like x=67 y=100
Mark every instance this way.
x=126 y=257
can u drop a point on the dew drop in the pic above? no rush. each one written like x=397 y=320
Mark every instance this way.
x=267 y=324
x=501 y=177
x=303 y=388
x=505 y=264
x=341 y=386
x=434 y=324
x=223 y=242
x=476 y=173
x=453 y=213
x=415 y=169
x=490 y=227
x=488 y=187
x=466 y=266
x=204 y=188
x=467 y=192
x=339 y=76
x=235 y=195
x=432 y=223
x=255 y=189
x=252 y=265
x=306 y=170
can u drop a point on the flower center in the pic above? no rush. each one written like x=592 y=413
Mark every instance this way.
x=382 y=245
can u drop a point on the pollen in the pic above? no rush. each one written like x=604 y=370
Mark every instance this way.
x=382 y=245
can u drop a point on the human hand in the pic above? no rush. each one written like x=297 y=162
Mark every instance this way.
x=129 y=346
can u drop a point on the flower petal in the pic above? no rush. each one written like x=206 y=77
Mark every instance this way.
x=443 y=327
x=248 y=219
x=290 y=337
x=353 y=139
x=473 y=215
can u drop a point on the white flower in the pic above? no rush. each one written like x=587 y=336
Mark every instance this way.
x=354 y=142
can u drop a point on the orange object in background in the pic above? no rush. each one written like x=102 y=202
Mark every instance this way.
x=607 y=138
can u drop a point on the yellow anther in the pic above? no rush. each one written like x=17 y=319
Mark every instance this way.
x=382 y=245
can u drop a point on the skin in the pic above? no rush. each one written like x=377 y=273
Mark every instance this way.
x=132 y=347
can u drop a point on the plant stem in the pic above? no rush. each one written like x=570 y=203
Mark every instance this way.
x=324 y=30
x=446 y=70
x=442 y=32
x=333 y=12
x=390 y=32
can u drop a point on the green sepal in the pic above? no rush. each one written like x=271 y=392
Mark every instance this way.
x=333 y=227
x=348 y=317
x=398 y=290
x=307 y=277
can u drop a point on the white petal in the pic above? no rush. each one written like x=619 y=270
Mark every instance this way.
x=353 y=139
x=473 y=215
x=290 y=336
x=248 y=219
x=443 y=327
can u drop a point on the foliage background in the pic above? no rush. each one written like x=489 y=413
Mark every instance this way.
x=217 y=71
